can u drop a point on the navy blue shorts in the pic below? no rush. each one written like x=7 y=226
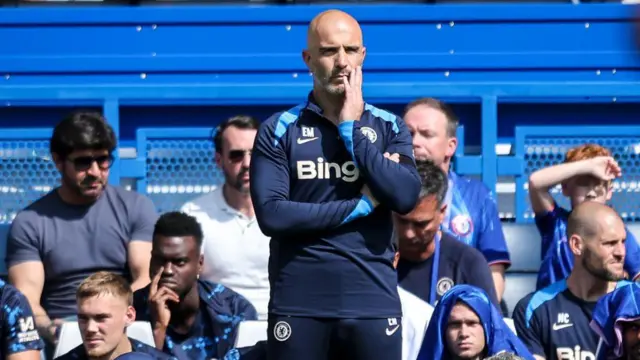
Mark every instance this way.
x=295 y=338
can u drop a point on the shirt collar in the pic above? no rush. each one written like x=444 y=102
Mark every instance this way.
x=313 y=105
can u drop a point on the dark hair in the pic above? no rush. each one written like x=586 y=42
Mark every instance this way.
x=178 y=224
x=452 y=119
x=82 y=131
x=434 y=180
x=244 y=122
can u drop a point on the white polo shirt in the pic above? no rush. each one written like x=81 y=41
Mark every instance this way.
x=416 y=314
x=236 y=252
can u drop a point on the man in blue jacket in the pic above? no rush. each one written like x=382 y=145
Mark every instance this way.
x=325 y=177
x=191 y=319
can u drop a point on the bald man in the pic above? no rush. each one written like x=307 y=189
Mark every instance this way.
x=554 y=322
x=324 y=180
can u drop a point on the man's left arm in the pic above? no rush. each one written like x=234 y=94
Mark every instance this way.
x=632 y=257
x=20 y=337
x=394 y=185
x=144 y=217
x=492 y=244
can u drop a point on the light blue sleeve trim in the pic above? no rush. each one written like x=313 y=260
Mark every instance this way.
x=363 y=208
x=384 y=115
x=346 y=133
x=286 y=118
x=542 y=296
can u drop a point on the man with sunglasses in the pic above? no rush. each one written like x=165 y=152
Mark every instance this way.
x=82 y=226
x=235 y=251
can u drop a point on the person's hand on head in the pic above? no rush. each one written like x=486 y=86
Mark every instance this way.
x=353 y=106
x=605 y=168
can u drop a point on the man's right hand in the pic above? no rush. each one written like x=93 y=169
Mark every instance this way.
x=605 y=168
x=158 y=302
x=367 y=192
x=51 y=332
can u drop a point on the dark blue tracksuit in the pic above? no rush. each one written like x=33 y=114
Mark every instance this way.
x=333 y=285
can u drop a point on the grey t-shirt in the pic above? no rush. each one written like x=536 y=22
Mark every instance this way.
x=75 y=241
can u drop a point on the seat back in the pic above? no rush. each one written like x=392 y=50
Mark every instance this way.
x=523 y=241
x=250 y=332
x=511 y=325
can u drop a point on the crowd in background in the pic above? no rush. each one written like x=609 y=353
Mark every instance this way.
x=214 y=246
x=96 y=255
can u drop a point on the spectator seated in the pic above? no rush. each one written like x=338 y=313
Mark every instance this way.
x=70 y=336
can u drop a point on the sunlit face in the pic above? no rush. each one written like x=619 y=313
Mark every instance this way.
x=180 y=260
x=85 y=172
x=103 y=321
x=417 y=229
x=587 y=188
x=428 y=127
x=335 y=50
x=603 y=255
x=235 y=159
x=465 y=333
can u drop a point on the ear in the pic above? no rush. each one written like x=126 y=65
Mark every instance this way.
x=452 y=145
x=576 y=244
x=200 y=263
x=306 y=57
x=609 y=191
x=58 y=161
x=218 y=159
x=364 y=55
x=130 y=316
x=442 y=212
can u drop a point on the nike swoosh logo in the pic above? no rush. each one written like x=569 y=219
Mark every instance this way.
x=303 y=141
x=562 y=326
x=392 y=330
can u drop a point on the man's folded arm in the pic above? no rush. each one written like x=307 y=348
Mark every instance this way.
x=276 y=214
x=394 y=185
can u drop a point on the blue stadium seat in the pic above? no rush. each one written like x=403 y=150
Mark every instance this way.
x=518 y=285
x=523 y=241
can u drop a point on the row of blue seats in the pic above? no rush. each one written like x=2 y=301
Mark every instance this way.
x=173 y=165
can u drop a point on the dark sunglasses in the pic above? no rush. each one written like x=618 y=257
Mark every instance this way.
x=238 y=155
x=83 y=163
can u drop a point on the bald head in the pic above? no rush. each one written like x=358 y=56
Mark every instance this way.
x=591 y=218
x=328 y=24
x=334 y=49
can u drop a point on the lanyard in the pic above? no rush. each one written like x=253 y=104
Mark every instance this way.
x=448 y=199
x=434 y=270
